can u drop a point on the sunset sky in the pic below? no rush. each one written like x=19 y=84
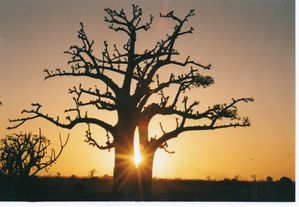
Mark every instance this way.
x=250 y=44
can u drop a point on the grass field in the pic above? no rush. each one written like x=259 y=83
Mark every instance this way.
x=98 y=189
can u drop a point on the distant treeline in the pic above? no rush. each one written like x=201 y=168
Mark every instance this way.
x=99 y=189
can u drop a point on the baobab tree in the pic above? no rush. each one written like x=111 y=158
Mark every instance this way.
x=132 y=99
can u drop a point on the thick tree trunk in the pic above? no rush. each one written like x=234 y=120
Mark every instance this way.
x=131 y=182
x=145 y=168
x=124 y=175
x=144 y=177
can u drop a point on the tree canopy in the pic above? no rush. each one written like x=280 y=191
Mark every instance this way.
x=141 y=81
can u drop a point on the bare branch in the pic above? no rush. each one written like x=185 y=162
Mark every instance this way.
x=26 y=154
x=162 y=53
x=104 y=78
x=85 y=64
x=105 y=101
x=165 y=147
x=167 y=136
x=118 y=20
x=214 y=114
x=35 y=113
x=91 y=141
x=53 y=158
x=185 y=81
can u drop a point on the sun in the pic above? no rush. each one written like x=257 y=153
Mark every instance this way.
x=137 y=154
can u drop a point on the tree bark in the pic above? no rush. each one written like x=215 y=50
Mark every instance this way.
x=124 y=184
x=124 y=168
x=144 y=177
x=131 y=182
x=145 y=168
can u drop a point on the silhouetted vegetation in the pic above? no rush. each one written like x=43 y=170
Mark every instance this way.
x=269 y=179
x=132 y=99
x=99 y=189
x=26 y=154
x=92 y=173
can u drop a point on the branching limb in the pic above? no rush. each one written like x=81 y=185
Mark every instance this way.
x=185 y=81
x=35 y=113
x=85 y=64
x=167 y=136
x=165 y=147
x=212 y=115
x=102 y=101
x=171 y=15
x=52 y=158
x=91 y=141
x=58 y=73
x=162 y=54
x=118 y=20
x=26 y=154
x=229 y=111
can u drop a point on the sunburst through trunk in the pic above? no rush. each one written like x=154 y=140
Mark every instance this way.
x=137 y=153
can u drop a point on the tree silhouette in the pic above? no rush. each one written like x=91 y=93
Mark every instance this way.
x=26 y=154
x=92 y=172
x=254 y=177
x=131 y=100
x=269 y=179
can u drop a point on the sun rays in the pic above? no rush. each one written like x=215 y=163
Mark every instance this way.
x=137 y=154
